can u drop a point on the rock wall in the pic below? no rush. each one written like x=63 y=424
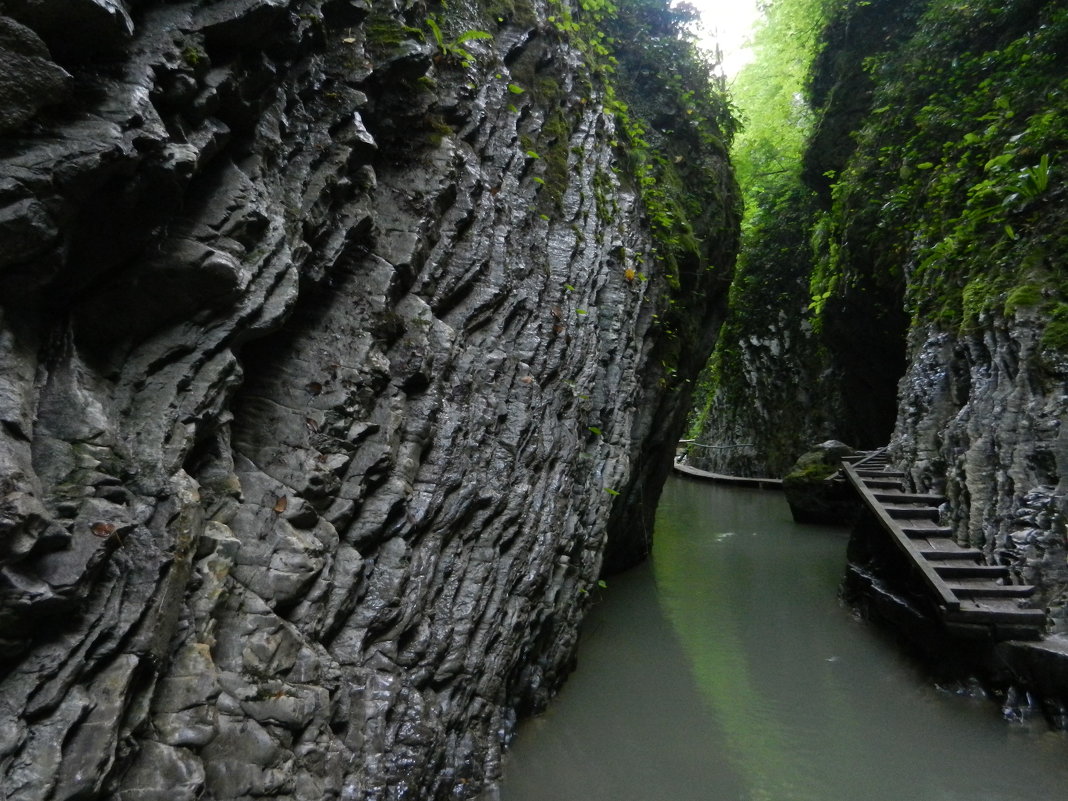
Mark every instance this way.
x=770 y=391
x=983 y=422
x=323 y=366
x=962 y=213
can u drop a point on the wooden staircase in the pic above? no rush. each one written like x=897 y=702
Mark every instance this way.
x=967 y=593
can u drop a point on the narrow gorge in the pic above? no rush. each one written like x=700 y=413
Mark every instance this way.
x=902 y=279
x=345 y=346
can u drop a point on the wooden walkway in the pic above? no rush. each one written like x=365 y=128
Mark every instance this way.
x=719 y=478
x=970 y=596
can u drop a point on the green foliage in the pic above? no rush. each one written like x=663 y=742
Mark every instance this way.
x=470 y=36
x=453 y=51
x=1033 y=181
x=1026 y=296
x=812 y=472
x=774 y=264
x=955 y=178
x=1055 y=337
x=770 y=93
x=439 y=130
x=384 y=33
x=193 y=55
x=944 y=203
x=671 y=112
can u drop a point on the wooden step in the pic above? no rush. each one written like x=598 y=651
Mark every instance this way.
x=997 y=610
x=956 y=553
x=951 y=570
x=984 y=589
x=882 y=483
x=930 y=532
x=909 y=497
x=911 y=512
x=972 y=601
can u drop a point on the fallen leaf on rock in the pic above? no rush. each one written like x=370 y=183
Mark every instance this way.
x=281 y=504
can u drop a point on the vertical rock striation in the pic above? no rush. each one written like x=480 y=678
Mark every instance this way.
x=325 y=363
x=983 y=422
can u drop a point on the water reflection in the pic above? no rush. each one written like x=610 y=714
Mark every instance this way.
x=727 y=670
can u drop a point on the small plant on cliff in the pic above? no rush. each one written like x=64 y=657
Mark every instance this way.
x=1034 y=181
x=454 y=51
x=193 y=55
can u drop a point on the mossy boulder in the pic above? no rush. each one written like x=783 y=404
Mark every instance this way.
x=815 y=490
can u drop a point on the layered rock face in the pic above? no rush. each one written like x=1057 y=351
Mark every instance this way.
x=983 y=422
x=324 y=366
x=974 y=238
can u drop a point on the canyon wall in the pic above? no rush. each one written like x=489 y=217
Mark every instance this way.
x=333 y=336
x=910 y=288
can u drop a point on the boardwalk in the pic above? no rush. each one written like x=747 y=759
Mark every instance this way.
x=736 y=481
x=969 y=595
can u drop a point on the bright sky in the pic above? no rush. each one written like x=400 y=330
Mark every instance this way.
x=729 y=22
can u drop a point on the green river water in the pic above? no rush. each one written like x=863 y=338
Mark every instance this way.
x=726 y=669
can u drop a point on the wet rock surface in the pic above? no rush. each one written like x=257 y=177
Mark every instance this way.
x=310 y=397
x=982 y=421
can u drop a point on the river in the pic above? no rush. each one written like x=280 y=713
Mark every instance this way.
x=726 y=669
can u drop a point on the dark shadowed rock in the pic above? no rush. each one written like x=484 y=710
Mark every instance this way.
x=29 y=79
x=75 y=29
